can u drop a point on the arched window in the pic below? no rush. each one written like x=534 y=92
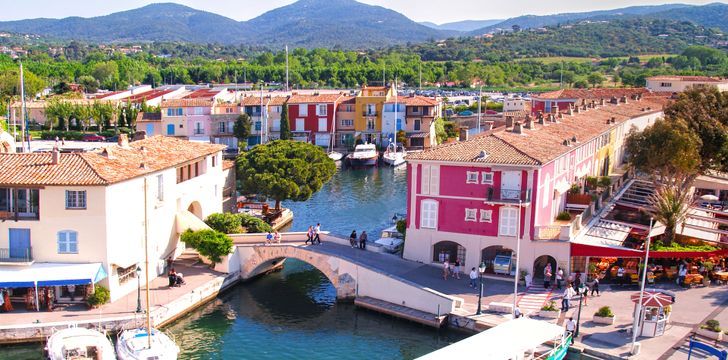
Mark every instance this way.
x=428 y=214
x=67 y=242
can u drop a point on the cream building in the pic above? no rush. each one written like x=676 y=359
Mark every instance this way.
x=679 y=83
x=63 y=211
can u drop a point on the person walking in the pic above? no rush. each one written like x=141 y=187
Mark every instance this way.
x=473 y=278
x=570 y=326
x=620 y=275
x=352 y=239
x=681 y=276
x=317 y=234
x=309 y=235
x=583 y=290
x=457 y=269
x=559 y=277
x=595 y=286
x=363 y=240
x=445 y=269
x=277 y=237
x=547 y=276
x=566 y=298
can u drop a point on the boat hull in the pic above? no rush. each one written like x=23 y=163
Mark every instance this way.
x=393 y=160
x=75 y=342
x=370 y=161
x=132 y=345
x=335 y=156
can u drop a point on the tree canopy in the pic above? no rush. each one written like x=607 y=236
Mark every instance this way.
x=241 y=129
x=284 y=170
x=211 y=244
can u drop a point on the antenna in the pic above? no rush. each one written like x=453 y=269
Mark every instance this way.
x=286 y=68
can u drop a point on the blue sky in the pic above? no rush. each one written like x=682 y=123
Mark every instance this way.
x=437 y=11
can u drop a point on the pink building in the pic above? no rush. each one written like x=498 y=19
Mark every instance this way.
x=471 y=201
x=190 y=118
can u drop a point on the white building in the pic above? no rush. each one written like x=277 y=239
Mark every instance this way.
x=678 y=83
x=66 y=211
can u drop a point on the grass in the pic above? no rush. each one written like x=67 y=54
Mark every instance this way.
x=675 y=246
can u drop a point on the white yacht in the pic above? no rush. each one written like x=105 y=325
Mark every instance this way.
x=391 y=240
x=75 y=343
x=135 y=345
x=394 y=156
x=364 y=155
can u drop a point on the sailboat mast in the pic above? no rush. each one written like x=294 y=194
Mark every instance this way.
x=286 y=68
x=395 y=115
x=146 y=266
x=23 y=111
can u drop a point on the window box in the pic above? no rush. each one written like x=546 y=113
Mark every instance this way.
x=604 y=320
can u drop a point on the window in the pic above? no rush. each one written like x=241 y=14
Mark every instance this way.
x=322 y=124
x=472 y=177
x=415 y=109
x=303 y=109
x=229 y=110
x=370 y=124
x=418 y=124
x=160 y=187
x=198 y=128
x=508 y=221
x=257 y=126
x=428 y=216
x=75 y=199
x=175 y=112
x=67 y=242
x=486 y=216
x=666 y=84
x=545 y=198
x=126 y=274
x=300 y=124
x=348 y=108
x=321 y=109
x=347 y=123
x=221 y=127
x=275 y=109
x=214 y=160
x=471 y=214
x=430 y=180
x=487 y=178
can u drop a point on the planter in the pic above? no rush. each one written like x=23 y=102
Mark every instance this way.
x=549 y=314
x=604 y=320
x=717 y=336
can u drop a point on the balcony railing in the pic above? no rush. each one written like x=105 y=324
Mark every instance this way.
x=16 y=255
x=10 y=215
x=369 y=113
x=199 y=132
x=508 y=195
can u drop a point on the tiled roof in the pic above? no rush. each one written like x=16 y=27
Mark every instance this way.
x=203 y=94
x=414 y=101
x=149 y=116
x=227 y=164
x=544 y=143
x=686 y=78
x=98 y=168
x=278 y=100
x=148 y=95
x=312 y=99
x=599 y=93
x=186 y=103
x=253 y=101
x=349 y=100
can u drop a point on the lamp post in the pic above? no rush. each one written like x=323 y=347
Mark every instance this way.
x=578 y=317
x=139 y=290
x=481 y=271
x=638 y=308
x=518 y=258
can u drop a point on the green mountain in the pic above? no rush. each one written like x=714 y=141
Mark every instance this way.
x=711 y=15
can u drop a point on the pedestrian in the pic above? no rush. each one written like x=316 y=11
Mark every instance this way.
x=583 y=290
x=517 y=312
x=170 y=262
x=269 y=238
x=441 y=256
x=457 y=269
x=566 y=298
x=352 y=238
x=277 y=237
x=570 y=328
x=559 y=277
x=473 y=277
x=317 y=233
x=681 y=276
x=595 y=286
x=363 y=240
x=547 y=276
x=445 y=269
x=309 y=235
x=577 y=280
x=620 y=275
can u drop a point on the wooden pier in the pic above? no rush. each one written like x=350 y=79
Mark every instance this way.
x=400 y=311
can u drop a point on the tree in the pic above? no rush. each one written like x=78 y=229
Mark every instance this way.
x=225 y=223
x=90 y=85
x=208 y=243
x=252 y=224
x=59 y=112
x=670 y=206
x=285 y=125
x=284 y=170
x=595 y=79
x=241 y=129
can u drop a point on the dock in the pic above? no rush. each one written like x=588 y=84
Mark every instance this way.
x=400 y=311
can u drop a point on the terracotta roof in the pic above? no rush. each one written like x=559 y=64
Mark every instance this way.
x=186 y=103
x=599 y=93
x=97 y=168
x=414 y=101
x=312 y=99
x=253 y=101
x=278 y=100
x=544 y=143
x=686 y=78
x=349 y=100
x=227 y=164
x=148 y=95
x=149 y=116
x=203 y=94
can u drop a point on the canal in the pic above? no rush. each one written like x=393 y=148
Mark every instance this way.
x=293 y=314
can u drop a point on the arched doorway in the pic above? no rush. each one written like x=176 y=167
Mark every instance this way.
x=196 y=209
x=448 y=250
x=540 y=264
x=489 y=254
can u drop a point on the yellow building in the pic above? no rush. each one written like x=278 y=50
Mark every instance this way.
x=369 y=105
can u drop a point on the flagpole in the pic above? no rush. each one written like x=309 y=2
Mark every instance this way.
x=638 y=311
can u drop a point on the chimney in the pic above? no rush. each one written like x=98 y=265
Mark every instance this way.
x=509 y=121
x=106 y=152
x=529 y=122
x=464 y=133
x=123 y=141
x=55 y=156
x=566 y=143
x=576 y=110
x=571 y=111
x=602 y=102
x=614 y=100
x=573 y=139
x=541 y=119
x=555 y=109
x=517 y=128
x=613 y=120
x=623 y=99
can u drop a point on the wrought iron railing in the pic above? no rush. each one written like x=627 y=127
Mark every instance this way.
x=16 y=255
x=508 y=195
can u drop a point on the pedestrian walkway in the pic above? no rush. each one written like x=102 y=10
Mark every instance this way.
x=533 y=299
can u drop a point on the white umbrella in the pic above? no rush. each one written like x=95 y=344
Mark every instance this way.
x=709 y=197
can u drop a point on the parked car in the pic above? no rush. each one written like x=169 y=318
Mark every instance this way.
x=114 y=138
x=466 y=113
x=93 y=137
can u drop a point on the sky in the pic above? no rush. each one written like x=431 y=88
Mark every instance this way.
x=435 y=11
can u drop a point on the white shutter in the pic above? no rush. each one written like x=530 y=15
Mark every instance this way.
x=435 y=180
x=428 y=214
x=425 y=186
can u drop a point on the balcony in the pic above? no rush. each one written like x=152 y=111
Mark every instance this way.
x=369 y=113
x=507 y=196
x=199 y=132
x=16 y=256
x=18 y=216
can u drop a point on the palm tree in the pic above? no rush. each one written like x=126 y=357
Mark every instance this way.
x=670 y=206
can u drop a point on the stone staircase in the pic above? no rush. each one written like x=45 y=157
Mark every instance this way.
x=533 y=299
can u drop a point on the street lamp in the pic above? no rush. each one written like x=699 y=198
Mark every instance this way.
x=481 y=271
x=139 y=290
x=578 y=317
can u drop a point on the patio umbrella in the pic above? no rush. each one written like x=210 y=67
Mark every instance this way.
x=709 y=197
x=653 y=298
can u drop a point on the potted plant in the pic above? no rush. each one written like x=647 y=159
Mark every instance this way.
x=99 y=297
x=604 y=316
x=523 y=273
x=563 y=216
x=550 y=311
x=711 y=330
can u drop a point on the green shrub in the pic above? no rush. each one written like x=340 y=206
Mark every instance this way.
x=402 y=227
x=209 y=243
x=551 y=306
x=592 y=181
x=254 y=225
x=575 y=189
x=604 y=182
x=67 y=135
x=604 y=311
x=125 y=130
x=563 y=216
x=225 y=223
x=712 y=325
x=108 y=133
x=100 y=296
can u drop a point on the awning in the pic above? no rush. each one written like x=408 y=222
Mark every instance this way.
x=187 y=220
x=51 y=274
x=421 y=135
x=653 y=299
x=604 y=251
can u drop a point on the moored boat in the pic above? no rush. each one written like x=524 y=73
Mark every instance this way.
x=335 y=155
x=394 y=156
x=134 y=345
x=75 y=343
x=364 y=155
x=391 y=240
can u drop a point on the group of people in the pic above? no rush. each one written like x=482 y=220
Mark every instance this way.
x=451 y=269
x=175 y=279
x=360 y=242
x=313 y=234
x=274 y=237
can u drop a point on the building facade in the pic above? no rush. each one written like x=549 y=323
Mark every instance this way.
x=679 y=83
x=313 y=116
x=368 y=112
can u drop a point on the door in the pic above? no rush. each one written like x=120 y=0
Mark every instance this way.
x=150 y=129
x=170 y=129
x=511 y=185
x=19 y=243
x=299 y=124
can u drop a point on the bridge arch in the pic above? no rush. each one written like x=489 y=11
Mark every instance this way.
x=259 y=259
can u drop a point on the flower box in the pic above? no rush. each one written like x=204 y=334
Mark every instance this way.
x=549 y=314
x=718 y=336
x=604 y=320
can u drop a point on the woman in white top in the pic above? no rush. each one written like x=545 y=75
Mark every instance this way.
x=445 y=269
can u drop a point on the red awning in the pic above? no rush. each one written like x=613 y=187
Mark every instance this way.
x=652 y=298
x=687 y=254
x=603 y=251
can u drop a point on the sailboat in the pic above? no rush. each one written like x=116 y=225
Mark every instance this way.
x=333 y=154
x=75 y=343
x=146 y=343
x=393 y=156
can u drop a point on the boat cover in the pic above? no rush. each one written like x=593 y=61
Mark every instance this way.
x=51 y=274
